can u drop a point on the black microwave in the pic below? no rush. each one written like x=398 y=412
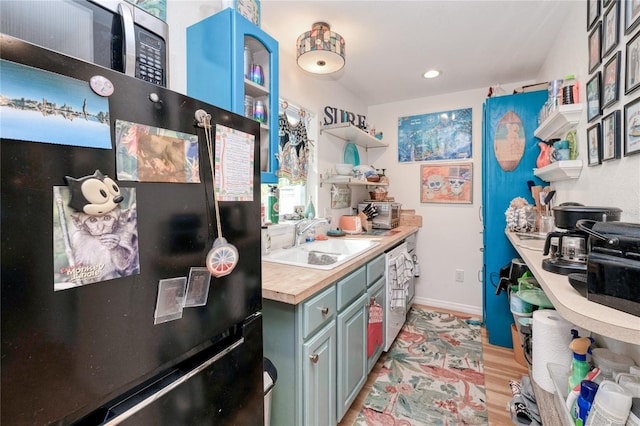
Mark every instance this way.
x=114 y=34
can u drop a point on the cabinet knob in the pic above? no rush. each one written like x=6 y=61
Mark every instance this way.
x=314 y=358
x=324 y=310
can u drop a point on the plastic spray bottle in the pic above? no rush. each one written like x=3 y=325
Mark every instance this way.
x=579 y=365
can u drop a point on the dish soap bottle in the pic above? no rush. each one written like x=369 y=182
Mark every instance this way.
x=310 y=210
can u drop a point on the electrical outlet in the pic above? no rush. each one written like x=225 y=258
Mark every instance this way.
x=459 y=275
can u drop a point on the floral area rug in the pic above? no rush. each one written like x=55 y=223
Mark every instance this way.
x=433 y=375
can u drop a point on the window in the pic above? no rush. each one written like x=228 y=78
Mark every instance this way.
x=300 y=147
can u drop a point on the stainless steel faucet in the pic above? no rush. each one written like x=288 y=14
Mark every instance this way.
x=304 y=225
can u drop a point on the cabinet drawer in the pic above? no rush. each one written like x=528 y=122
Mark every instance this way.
x=318 y=310
x=375 y=269
x=351 y=287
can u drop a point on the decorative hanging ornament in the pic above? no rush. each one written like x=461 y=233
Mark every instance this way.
x=223 y=256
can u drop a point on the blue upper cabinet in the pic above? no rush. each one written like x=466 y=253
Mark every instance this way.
x=216 y=73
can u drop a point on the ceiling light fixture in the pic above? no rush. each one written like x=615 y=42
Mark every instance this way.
x=431 y=74
x=321 y=51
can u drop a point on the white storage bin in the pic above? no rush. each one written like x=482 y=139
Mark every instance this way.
x=560 y=377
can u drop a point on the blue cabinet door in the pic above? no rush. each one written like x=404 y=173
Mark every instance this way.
x=215 y=73
x=352 y=353
x=319 y=378
x=499 y=187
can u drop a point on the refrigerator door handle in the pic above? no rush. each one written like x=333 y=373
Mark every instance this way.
x=173 y=385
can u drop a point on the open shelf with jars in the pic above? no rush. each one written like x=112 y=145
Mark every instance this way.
x=559 y=122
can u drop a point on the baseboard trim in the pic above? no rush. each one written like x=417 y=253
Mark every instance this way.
x=467 y=309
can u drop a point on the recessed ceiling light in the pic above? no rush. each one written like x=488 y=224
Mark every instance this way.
x=431 y=74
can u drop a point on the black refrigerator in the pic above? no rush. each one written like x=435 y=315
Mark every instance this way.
x=108 y=349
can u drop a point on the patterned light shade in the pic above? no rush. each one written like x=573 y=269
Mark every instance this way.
x=321 y=51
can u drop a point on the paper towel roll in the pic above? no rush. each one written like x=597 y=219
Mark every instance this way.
x=551 y=335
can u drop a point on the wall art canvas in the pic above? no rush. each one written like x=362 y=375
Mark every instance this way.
x=509 y=141
x=150 y=154
x=41 y=106
x=92 y=248
x=632 y=127
x=436 y=136
x=446 y=183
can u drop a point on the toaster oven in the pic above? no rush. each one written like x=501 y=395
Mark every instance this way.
x=381 y=214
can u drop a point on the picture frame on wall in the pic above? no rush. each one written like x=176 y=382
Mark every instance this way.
x=611 y=136
x=593 y=11
x=450 y=183
x=632 y=68
x=610 y=29
x=593 y=142
x=611 y=81
x=593 y=98
x=631 y=15
x=632 y=127
x=595 y=42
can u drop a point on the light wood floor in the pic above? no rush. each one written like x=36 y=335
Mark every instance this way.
x=499 y=367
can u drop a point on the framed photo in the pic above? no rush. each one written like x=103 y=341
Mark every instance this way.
x=593 y=140
x=631 y=15
x=610 y=29
x=593 y=97
x=595 y=39
x=632 y=71
x=593 y=11
x=611 y=80
x=450 y=183
x=611 y=136
x=632 y=127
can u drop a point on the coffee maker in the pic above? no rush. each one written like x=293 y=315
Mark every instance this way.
x=567 y=246
x=567 y=250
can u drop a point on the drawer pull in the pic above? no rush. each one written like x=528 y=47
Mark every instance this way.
x=314 y=358
x=324 y=310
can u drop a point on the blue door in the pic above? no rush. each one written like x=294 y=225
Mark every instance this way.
x=499 y=187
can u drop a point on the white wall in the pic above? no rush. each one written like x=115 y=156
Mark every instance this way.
x=614 y=183
x=451 y=236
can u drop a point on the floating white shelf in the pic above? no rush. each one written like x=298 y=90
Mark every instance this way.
x=560 y=170
x=350 y=133
x=559 y=122
x=345 y=180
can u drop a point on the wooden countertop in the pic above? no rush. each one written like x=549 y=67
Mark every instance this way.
x=293 y=284
x=570 y=304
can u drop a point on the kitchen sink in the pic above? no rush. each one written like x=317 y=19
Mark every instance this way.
x=531 y=236
x=325 y=254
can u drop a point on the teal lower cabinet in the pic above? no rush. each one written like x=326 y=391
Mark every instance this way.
x=319 y=377
x=352 y=353
x=319 y=348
